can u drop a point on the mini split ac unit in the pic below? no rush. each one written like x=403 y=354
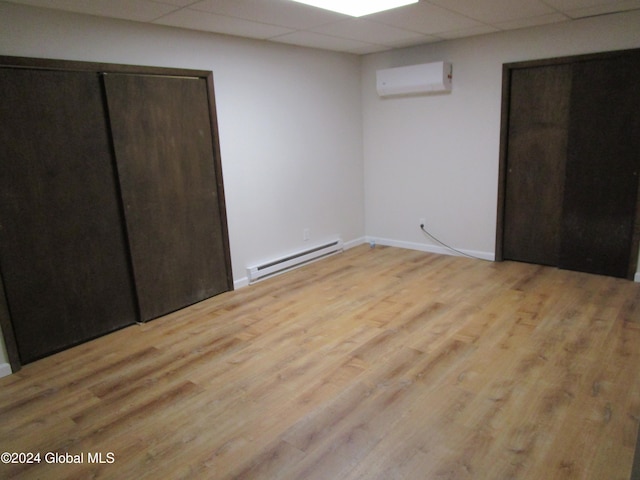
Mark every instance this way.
x=415 y=79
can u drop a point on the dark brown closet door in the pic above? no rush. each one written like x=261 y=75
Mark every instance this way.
x=603 y=164
x=62 y=247
x=163 y=142
x=538 y=125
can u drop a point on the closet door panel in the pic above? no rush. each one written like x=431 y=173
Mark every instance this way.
x=603 y=163
x=62 y=247
x=538 y=125
x=163 y=141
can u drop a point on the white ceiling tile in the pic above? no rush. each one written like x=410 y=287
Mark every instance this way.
x=209 y=22
x=368 y=49
x=138 y=10
x=370 y=32
x=601 y=8
x=533 y=21
x=412 y=43
x=317 y=40
x=468 y=32
x=424 y=18
x=275 y=12
x=177 y=3
x=495 y=11
x=292 y=22
x=565 y=5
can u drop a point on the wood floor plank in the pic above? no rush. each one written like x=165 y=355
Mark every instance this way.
x=377 y=363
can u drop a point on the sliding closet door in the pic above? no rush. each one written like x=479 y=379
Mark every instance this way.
x=603 y=164
x=162 y=136
x=538 y=125
x=571 y=163
x=62 y=246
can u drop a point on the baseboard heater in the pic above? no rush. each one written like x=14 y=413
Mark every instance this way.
x=293 y=260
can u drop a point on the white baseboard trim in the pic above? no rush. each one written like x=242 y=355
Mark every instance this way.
x=424 y=247
x=5 y=370
x=354 y=243
x=438 y=249
x=240 y=283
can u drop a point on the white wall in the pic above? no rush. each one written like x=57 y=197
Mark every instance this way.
x=289 y=120
x=436 y=157
x=296 y=124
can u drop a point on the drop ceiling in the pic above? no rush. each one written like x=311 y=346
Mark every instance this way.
x=289 y=22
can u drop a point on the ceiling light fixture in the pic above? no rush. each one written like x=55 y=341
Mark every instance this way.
x=357 y=8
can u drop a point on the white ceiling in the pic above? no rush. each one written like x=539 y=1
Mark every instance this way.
x=294 y=23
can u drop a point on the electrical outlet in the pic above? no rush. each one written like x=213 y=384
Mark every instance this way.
x=306 y=234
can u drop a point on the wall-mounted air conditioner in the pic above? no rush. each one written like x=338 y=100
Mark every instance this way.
x=415 y=79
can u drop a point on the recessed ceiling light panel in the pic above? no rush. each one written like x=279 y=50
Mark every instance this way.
x=357 y=8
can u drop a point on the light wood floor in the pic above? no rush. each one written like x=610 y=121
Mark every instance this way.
x=373 y=364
